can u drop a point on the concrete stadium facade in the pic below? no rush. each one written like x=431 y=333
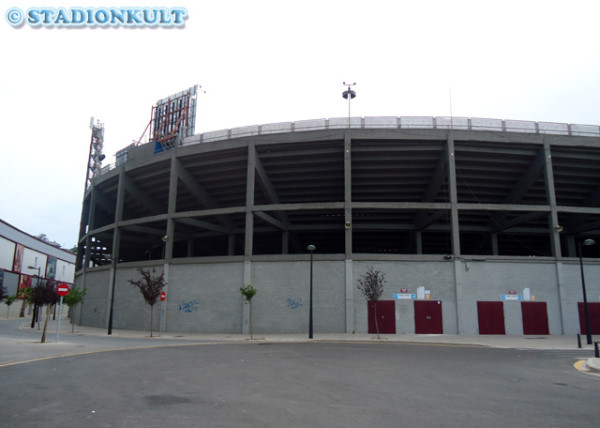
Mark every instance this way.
x=476 y=224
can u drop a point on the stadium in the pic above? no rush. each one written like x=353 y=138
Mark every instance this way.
x=479 y=226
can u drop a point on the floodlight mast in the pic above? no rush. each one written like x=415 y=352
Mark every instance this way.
x=349 y=94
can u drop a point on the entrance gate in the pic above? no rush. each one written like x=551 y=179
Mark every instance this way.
x=386 y=317
x=491 y=317
x=428 y=317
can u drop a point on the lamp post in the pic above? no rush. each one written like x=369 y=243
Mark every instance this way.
x=34 y=318
x=348 y=94
x=311 y=248
x=587 y=243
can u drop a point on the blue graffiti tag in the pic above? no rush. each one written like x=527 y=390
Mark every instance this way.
x=294 y=304
x=188 y=307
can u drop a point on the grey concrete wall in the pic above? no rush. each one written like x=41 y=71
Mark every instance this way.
x=435 y=276
x=488 y=281
x=571 y=291
x=281 y=304
x=205 y=298
x=95 y=303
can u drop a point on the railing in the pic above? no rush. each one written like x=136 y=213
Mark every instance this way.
x=402 y=122
x=394 y=122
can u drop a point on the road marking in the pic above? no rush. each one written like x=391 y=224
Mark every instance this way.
x=137 y=348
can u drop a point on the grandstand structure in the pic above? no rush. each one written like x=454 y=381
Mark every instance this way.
x=477 y=224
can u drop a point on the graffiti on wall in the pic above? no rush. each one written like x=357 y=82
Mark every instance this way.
x=188 y=307
x=294 y=304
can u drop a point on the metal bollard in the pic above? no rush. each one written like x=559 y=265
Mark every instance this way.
x=579 y=341
x=596 y=351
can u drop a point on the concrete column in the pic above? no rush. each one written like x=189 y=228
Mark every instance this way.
x=170 y=232
x=453 y=196
x=245 y=307
x=349 y=278
x=250 y=179
x=454 y=229
x=348 y=227
x=116 y=246
x=419 y=241
x=348 y=196
x=554 y=234
x=494 y=243
x=551 y=198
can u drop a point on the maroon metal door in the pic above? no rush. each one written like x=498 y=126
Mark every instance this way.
x=491 y=317
x=386 y=317
x=535 y=318
x=428 y=317
x=594 y=312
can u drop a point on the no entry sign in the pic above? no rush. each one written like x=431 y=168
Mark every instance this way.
x=163 y=296
x=63 y=290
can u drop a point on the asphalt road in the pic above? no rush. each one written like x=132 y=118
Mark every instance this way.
x=302 y=385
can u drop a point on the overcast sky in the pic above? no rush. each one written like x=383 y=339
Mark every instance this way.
x=276 y=61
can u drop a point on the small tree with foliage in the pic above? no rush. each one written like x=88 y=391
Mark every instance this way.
x=44 y=294
x=248 y=291
x=371 y=286
x=72 y=299
x=9 y=301
x=150 y=285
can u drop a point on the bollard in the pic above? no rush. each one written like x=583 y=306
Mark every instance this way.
x=579 y=341
x=596 y=351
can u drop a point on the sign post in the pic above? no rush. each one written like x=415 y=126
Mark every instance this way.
x=163 y=297
x=62 y=290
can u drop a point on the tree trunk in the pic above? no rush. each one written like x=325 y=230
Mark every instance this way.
x=22 y=312
x=45 y=324
x=376 y=323
x=151 y=313
x=73 y=319
x=250 y=318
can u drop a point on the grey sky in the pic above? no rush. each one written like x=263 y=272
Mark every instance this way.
x=276 y=61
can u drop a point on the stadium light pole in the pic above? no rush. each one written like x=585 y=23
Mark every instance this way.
x=311 y=248
x=349 y=94
x=587 y=243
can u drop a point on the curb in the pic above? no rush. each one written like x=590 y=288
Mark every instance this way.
x=593 y=365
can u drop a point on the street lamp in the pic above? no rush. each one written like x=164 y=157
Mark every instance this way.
x=587 y=243
x=311 y=248
x=34 y=318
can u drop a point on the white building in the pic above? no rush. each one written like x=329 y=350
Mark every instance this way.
x=24 y=258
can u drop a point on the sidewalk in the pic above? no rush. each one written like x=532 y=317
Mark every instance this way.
x=19 y=342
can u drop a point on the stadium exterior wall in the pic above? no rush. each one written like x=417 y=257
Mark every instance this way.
x=204 y=297
x=471 y=215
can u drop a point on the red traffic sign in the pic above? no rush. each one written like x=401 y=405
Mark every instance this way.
x=163 y=296
x=63 y=290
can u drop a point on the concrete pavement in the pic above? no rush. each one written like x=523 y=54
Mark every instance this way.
x=20 y=343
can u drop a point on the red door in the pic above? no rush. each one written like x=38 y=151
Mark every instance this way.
x=428 y=317
x=386 y=317
x=491 y=317
x=535 y=318
x=594 y=312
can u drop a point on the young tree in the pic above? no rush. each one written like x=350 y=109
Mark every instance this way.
x=44 y=294
x=371 y=286
x=150 y=285
x=72 y=299
x=9 y=301
x=248 y=291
